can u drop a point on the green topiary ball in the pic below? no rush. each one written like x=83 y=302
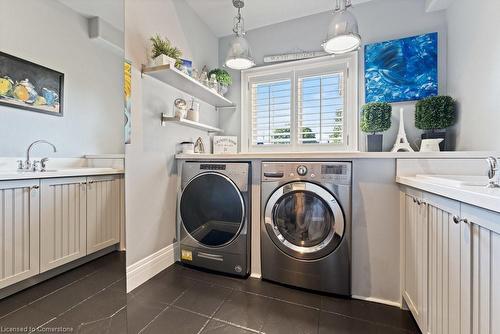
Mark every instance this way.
x=376 y=117
x=436 y=112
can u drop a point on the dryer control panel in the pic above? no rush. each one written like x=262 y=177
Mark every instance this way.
x=336 y=172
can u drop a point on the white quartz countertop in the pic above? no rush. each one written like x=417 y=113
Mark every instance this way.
x=6 y=175
x=474 y=195
x=336 y=155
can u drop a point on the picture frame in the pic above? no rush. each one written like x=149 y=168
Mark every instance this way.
x=402 y=70
x=29 y=86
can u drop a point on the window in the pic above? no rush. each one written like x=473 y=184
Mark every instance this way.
x=300 y=106
x=271 y=113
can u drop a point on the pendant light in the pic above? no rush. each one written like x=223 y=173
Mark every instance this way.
x=343 y=36
x=238 y=56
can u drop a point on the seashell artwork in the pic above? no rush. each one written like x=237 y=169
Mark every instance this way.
x=29 y=86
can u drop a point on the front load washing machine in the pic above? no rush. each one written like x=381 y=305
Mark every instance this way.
x=213 y=216
x=306 y=225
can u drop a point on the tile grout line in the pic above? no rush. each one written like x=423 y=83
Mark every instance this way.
x=84 y=300
x=48 y=294
x=162 y=311
x=365 y=320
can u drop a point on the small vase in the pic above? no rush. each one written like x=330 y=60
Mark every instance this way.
x=374 y=142
x=223 y=90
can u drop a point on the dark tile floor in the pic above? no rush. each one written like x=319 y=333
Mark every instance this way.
x=187 y=301
x=88 y=299
x=180 y=300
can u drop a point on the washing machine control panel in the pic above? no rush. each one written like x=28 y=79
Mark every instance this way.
x=339 y=172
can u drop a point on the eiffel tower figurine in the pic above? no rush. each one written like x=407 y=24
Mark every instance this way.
x=402 y=144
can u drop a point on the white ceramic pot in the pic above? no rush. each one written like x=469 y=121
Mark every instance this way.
x=164 y=60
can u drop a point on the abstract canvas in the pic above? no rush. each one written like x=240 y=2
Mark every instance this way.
x=26 y=85
x=402 y=70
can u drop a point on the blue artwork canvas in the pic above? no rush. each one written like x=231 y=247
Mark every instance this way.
x=402 y=70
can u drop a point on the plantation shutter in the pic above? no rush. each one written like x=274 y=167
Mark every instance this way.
x=320 y=109
x=271 y=112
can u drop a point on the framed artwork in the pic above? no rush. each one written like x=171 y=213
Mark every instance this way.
x=402 y=70
x=26 y=85
x=127 y=93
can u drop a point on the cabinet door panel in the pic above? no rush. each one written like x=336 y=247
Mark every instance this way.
x=19 y=231
x=103 y=212
x=415 y=276
x=485 y=269
x=63 y=221
x=449 y=268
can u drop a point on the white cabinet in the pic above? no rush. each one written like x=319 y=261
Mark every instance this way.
x=415 y=254
x=449 y=267
x=485 y=227
x=104 y=211
x=19 y=230
x=451 y=264
x=63 y=221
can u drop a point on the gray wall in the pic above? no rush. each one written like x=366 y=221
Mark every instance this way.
x=51 y=34
x=474 y=72
x=151 y=175
x=379 y=20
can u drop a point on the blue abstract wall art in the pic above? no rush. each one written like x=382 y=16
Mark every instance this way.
x=402 y=70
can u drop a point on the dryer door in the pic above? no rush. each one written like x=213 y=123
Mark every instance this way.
x=212 y=209
x=304 y=220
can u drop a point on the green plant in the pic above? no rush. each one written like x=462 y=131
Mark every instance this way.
x=436 y=112
x=284 y=134
x=162 y=46
x=223 y=77
x=376 y=117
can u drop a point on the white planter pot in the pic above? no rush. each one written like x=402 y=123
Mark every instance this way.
x=163 y=60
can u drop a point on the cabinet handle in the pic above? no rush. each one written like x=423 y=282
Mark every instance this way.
x=91 y=182
x=35 y=187
x=456 y=219
x=465 y=220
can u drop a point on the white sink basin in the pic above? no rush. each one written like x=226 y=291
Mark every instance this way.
x=457 y=180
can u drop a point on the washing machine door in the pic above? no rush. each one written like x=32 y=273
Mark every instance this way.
x=212 y=209
x=304 y=220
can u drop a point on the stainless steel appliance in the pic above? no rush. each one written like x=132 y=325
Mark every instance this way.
x=213 y=215
x=306 y=225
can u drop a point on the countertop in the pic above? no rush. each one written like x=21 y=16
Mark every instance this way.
x=7 y=175
x=336 y=155
x=474 y=195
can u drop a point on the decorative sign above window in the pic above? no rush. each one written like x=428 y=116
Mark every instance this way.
x=402 y=70
x=293 y=56
x=29 y=86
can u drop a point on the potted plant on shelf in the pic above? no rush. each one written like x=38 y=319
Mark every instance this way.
x=435 y=114
x=164 y=53
x=223 y=78
x=375 y=117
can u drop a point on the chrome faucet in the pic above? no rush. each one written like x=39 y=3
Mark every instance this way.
x=492 y=172
x=35 y=165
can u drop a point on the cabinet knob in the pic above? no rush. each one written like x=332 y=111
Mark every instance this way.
x=456 y=219
x=35 y=187
x=465 y=220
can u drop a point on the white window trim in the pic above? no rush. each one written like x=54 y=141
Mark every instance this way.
x=284 y=70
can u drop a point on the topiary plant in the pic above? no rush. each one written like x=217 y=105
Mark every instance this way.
x=376 y=117
x=223 y=77
x=164 y=47
x=436 y=112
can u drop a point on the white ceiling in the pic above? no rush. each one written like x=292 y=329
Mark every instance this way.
x=219 y=14
x=111 y=11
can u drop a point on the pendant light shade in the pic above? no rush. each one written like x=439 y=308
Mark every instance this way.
x=343 y=35
x=239 y=56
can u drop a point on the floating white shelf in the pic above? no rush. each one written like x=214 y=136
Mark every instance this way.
x=182 y=121
x=184 y=82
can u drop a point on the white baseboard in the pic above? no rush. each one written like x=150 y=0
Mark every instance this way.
x=378 y=300
x=147 y=268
